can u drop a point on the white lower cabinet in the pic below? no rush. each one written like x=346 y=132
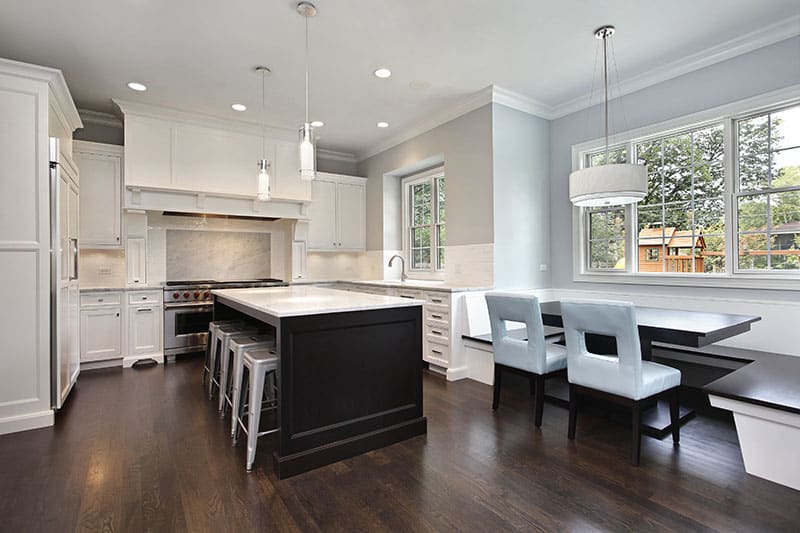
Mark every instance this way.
x=121 y=327
x=101 y=328
x=144 y=330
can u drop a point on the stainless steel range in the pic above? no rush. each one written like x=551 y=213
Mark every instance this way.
x=188 y=308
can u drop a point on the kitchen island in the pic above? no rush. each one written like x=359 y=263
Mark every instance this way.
x=350 y=376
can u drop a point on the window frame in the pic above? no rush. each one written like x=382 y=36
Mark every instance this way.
x=436 y=271
x=727 y=115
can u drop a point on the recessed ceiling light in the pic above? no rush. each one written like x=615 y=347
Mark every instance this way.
x=383 y=124
x=317 y=123
x=382 y=72
x=239 y=107
x=137 y=86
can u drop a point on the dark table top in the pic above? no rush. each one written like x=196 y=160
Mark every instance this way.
x=677 y=326
x=521 y=334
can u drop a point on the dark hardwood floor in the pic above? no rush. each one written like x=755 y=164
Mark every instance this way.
x=143 y=450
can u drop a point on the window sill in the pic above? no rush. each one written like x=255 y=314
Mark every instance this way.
x=739 y=281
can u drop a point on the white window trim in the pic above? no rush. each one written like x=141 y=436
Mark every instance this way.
x=430 y=174
x=733 y=278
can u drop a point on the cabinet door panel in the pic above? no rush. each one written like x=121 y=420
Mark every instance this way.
x=287 y=182
x=144 y=330
x=100 y=199
x=322 y=227
x=350 y=214
x=136 y=261
x=101 y=334
x=216 y=161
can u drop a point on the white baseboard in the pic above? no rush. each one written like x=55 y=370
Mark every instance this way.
x=95 y=365
x=13 y=424
x=128 y=361
x=454 y=374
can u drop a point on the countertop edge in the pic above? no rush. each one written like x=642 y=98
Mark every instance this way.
x=397 y=285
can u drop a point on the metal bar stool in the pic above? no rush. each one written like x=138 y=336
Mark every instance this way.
x=230 y=367
x=220 y=347
x=259 y=365
x=211 y=341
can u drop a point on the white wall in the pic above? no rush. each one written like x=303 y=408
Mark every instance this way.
x=520 y=148
x=758 y=72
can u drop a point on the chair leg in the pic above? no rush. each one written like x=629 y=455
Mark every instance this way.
x=254 y=416
x=636 y=422
x=497 y=379
x=539 y=400
x=674 y=416
x=212 y=367
x=573 y=412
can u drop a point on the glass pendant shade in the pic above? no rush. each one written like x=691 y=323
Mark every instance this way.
x=264 y=193
x=612 y=184
x=308 y=159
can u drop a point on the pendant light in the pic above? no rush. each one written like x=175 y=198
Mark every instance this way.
x=308 y=158
x=264 y=193
x=611 y=183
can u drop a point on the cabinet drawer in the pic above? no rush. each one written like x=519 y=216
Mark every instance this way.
x=436 y=354
x=437 y=298
x=409 y=293
x=437 y=336
x=439 y=315
x=100 y=298
x=144 y=297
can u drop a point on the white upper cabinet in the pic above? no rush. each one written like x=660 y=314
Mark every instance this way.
x=337 y=214
x=100 y=166
x=167 y=149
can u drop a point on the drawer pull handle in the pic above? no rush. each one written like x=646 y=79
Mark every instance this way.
x=437 y=352
x=145 y=310
x=99 y=299
x=405 y=296
x=437 y=317
x=436 y=332
x=436 y=300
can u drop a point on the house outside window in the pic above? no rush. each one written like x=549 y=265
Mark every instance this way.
x=424 y=221
x=723 y=199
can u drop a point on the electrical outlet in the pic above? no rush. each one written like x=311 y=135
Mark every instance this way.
x=543 y=267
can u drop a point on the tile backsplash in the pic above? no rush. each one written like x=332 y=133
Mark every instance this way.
x=101 y=268
x=221 y=255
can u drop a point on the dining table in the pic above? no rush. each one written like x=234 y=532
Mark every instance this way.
x=676 y=327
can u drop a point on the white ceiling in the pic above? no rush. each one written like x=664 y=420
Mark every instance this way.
x=198 y=55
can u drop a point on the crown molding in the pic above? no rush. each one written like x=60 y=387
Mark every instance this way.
x=520 y=102
x=99 y=118
x=333 y=155
x=199 y=119
x=740 y=45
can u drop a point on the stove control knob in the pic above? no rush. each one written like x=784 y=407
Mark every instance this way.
x=186 y=294
x=196 y=295
x=206 y=294
x=176 y=295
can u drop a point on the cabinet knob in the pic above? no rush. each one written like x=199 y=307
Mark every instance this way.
x=117 y=314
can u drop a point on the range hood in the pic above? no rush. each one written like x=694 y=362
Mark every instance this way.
x=194 y=203
x=215 y=216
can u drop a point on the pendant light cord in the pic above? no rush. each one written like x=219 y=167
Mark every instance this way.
x=263 y=116
x=306 y=69
x=605 y=83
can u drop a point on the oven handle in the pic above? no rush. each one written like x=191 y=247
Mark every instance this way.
x=203 y=308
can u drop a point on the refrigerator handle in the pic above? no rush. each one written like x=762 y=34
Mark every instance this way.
x=74 y=275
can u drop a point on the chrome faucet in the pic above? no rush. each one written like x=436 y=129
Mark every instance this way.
x=403 y=275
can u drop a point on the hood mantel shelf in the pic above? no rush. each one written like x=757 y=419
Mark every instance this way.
x=150 y=198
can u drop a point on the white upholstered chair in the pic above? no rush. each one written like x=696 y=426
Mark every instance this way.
x=623 y=378
x=530 y=354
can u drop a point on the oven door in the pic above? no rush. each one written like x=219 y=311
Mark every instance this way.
x=186 y=327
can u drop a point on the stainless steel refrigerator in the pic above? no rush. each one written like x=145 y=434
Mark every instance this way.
x=64 y=288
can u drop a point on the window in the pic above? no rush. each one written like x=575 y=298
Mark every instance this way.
x=723 y=197
x=768 y=197
x=424 y=221
x=683 y=213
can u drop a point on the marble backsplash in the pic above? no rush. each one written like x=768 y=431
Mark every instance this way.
x=221 y=255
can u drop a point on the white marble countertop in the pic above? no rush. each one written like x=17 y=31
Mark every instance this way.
x=440 y=286
x=123 y=289
x=303 y=300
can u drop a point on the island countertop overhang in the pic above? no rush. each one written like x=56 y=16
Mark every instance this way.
x=299 y=300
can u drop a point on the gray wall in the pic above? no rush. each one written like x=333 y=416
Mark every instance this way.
x=465 y=146
x=336 y=166
x=521 y=190
x=761 y=71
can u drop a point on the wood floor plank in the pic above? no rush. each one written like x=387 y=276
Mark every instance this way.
x=144 y=450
